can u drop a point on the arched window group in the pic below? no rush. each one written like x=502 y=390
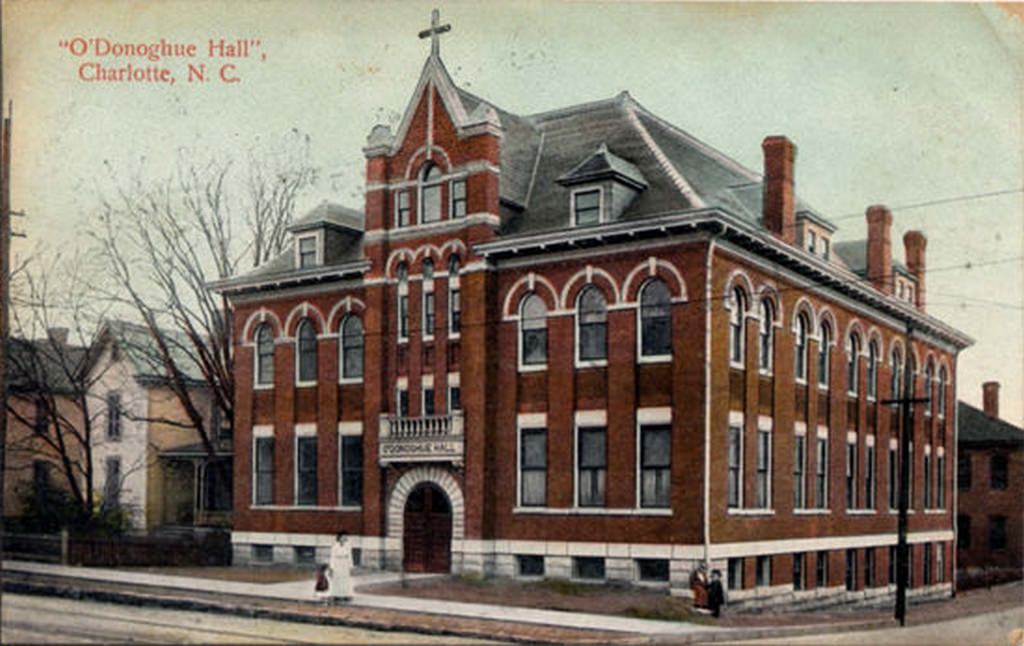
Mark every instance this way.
x=264 y=355
x=655 y=320
x=591 y=325
x=801 y=349
x=305 y=356
x=350 y=350
x=853 y=363
x=766 y=336
x=736 y=332
x=824 y=343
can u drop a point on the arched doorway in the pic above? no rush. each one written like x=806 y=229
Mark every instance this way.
x=427 y=535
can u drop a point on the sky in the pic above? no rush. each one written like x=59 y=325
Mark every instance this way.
x=888 y=104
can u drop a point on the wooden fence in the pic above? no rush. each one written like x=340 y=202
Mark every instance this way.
x=202 y=549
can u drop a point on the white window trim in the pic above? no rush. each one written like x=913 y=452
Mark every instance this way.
x=528 y=423
x=587 y=419
x=397 y=195
x=533 y=367
x=256 y=385
x=301 y=430
x=600 y=205
x=296 y=344
x=427 y=288
x=587 y=363
x=659 y=416
x=452 y=180
x=654 y=358
x=258 y=431
x=341 y=354
x=346 y=429
x=318 y=248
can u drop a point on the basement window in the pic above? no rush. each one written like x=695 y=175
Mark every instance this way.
x=652 y=570
x=263 y=553
x=530 y=565
x=588 y=568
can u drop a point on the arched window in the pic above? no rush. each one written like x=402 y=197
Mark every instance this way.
x=896 y=363
x=351 y=348
x=402 y=272
x=428 y=302
x=824 y=349
x=913 y=374
x=766 y=336
x=264 y=355
x=454 y=297
x=853 y=364
x=403 y=301
x=800 y=352
x=430 y=193
x=655 y=320
x=306 y=352
x=592 y=326
x=428 y=269
x=941 y=395
x=736 y=317
x=873 y=369
x=533 y=331
x=929 y=379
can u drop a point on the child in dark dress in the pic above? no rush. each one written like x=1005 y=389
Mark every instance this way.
x=716 y=594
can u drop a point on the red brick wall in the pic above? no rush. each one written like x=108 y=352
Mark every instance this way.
x=981 y=502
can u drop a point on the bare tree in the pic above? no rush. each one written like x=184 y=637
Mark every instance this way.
x=164 y=240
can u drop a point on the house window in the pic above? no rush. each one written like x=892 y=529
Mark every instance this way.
x=652 y=570
x=910 y=478
x=533 y=460
x=113 y=416
x=764 y=571
x=940 y=482
x=941 y=395
x=852 y=372
x=927 y=565
x=305 y=471
x=264 y=470
x=530 y=565
x=655 y=320
x=998 y=470
x=454 y=399
x=869 y=477
x=428 y=314
x=352 y=348
x=812 y=239
x=588 y=567
x=112 y=484
x=851 y=475
x=403 y=317
x=800 y=351
x=927 y=481
x=736 y=332
x=307 y=252
x=963 y=531
x=402 y=209
x=929 y=379
x=306 y=355
x=428 y=401
x=872 y=370
x=851 y=570
x=799 y=472
x=264 y=356
x=896 y=361
x=894 y=477
x=821 y=570
x=821 y=475
x=655 y=465
x=826 y=252
x=592 y=325
x=40 y=420
x=586 y=207
x=799 y=563
x=430 y=194
x=458 y=198
x=765 y=336
x=734 y=574
x=963 y=471
x=869 y=567
x=763 y=476
x=40 y=476
x=824 y=341
x=592 y=466
x=997 y=532
x=735 y=498
x=351 y=470
x=533 y=332
x=454 y=297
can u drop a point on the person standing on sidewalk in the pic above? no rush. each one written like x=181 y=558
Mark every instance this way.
x=699 y=586
x=340 y=568
x=716 y=594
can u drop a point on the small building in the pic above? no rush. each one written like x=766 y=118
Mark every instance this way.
x=990 y=490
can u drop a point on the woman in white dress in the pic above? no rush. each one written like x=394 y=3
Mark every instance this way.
x=341 y=568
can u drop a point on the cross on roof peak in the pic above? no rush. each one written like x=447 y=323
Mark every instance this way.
x=436 y=29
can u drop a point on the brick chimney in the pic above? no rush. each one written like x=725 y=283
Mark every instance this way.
x=914 y=244
x=880 y=248
x=779 y=199
x=990 y=398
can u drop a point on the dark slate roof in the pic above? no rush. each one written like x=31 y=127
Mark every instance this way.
x=976 y=427
x=139 y=348
x=41 y=364
x=329 y=214
x=855 y=254
x=602 y=164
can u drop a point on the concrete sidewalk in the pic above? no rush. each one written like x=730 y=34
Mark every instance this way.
x=302 y=591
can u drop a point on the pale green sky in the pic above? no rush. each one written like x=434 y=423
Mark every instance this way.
x=894 y=104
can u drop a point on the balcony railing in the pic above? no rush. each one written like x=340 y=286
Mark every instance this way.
x=432 y=438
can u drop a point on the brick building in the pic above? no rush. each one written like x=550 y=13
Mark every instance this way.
x=584 y=344
x=990 y=488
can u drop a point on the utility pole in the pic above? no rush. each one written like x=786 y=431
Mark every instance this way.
x=906 y=402
x=5 y=298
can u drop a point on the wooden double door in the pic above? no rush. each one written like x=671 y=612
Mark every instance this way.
x=427 y=534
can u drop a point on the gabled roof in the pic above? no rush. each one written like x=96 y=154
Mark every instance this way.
x=331 y=215
x=140 y=350
x=44 y=364
x=976 y=427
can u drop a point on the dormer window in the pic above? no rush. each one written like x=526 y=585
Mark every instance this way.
x=307 y=252
x=430 y=194
x=812 y=241
x=586 y=207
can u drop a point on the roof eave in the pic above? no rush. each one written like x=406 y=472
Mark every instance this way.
x=240 y=285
